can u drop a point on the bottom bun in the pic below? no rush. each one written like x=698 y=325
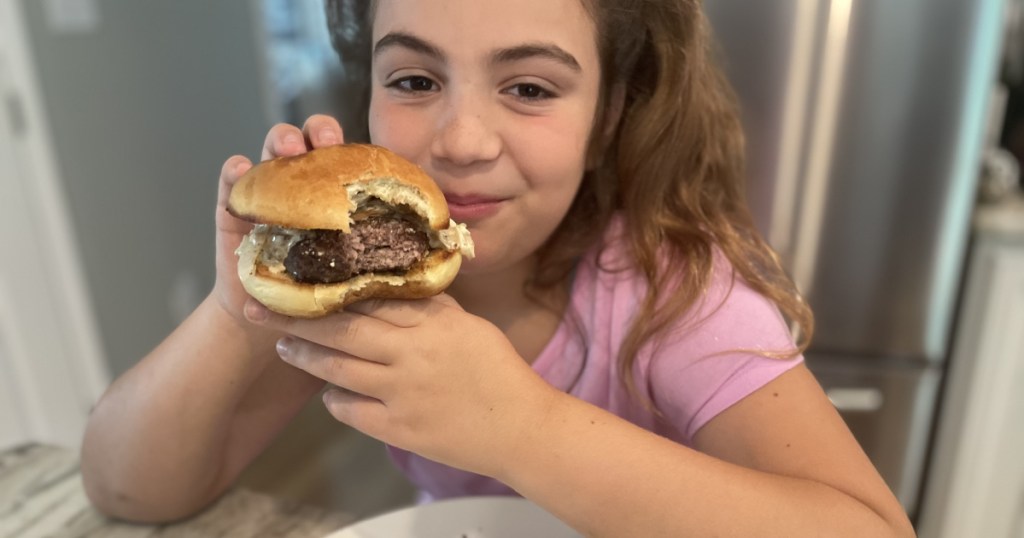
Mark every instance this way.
x=426 y=278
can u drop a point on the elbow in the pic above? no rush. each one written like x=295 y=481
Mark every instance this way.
x=115 y=502
x=120 y=491
x=903 y=529
x=128 y=501
x=899 y=523
x=893 y=525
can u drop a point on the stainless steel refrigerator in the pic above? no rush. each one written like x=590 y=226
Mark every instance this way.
x=865 y=123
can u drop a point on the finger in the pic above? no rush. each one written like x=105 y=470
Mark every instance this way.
x=321 y=130
x=233 y=169
x=333 y=366
x=447 y=300
x=283 y=140
x=363 y=413
x=404 y=313
x=355 y=334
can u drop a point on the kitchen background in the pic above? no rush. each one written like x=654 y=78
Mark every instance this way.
x=883 y=137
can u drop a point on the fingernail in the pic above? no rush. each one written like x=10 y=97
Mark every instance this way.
x=327 y=136
x=292 y=140
x=255 y=312
x=284 y=347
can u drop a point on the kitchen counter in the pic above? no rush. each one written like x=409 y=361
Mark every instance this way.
x=41 y=494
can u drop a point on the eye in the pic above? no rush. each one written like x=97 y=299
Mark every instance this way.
x=414 y=84
x=529 y=92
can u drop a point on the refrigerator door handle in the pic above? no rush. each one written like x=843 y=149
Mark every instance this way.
x=856 y=399
x=821 y=144
x=794 y=122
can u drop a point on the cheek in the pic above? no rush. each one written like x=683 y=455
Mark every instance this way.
x=556 y=146
x=381 y=123
x=398 y=128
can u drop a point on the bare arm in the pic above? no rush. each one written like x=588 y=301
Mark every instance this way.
x=177 y=429
x=778 y=463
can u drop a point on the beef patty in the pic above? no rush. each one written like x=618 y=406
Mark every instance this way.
x=375 y=244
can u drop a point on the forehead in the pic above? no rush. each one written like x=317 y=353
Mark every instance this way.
x=473 y=26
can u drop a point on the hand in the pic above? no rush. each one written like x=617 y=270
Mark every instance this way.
x=282 y=140
x=421 y=375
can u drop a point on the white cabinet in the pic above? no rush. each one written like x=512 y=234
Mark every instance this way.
x=976 y=479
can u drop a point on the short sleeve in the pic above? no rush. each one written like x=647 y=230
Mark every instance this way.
x=724 y=352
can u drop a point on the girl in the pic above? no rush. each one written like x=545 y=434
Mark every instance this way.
x=615 y=352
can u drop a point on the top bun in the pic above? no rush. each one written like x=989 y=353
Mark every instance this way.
x=321 y=188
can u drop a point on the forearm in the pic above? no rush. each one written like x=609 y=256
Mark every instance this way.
x=626 y=481
x=177 y=428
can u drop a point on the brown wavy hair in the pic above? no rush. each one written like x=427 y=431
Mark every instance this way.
x=673 y=166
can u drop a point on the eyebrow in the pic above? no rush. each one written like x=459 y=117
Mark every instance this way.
x=411 y=42
x=537 y=50
x=507 y=55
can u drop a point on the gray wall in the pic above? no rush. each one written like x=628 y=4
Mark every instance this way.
x=143 y=112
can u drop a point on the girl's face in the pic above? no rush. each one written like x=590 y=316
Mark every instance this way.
x=495 y=100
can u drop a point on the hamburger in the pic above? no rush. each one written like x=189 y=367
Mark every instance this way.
x=342 y=224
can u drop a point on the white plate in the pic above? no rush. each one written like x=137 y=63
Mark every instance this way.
x=471 y=517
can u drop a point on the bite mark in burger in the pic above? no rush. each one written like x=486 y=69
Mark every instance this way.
x=341 y=224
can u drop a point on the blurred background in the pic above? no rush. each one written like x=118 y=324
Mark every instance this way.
x=884 y=141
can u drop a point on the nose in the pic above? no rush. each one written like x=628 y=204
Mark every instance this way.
x=465 y=135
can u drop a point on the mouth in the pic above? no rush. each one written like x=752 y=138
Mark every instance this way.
x=472 y=207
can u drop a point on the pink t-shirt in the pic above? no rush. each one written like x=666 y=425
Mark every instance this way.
x=699 y=369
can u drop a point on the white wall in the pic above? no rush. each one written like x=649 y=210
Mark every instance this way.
x=145 y=105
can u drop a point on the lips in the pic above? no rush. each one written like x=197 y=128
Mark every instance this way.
x=472 y=207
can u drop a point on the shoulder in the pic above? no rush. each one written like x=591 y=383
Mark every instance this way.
x=733 y=313
x=732 y=342
x=723 y=347
x=727 y=306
